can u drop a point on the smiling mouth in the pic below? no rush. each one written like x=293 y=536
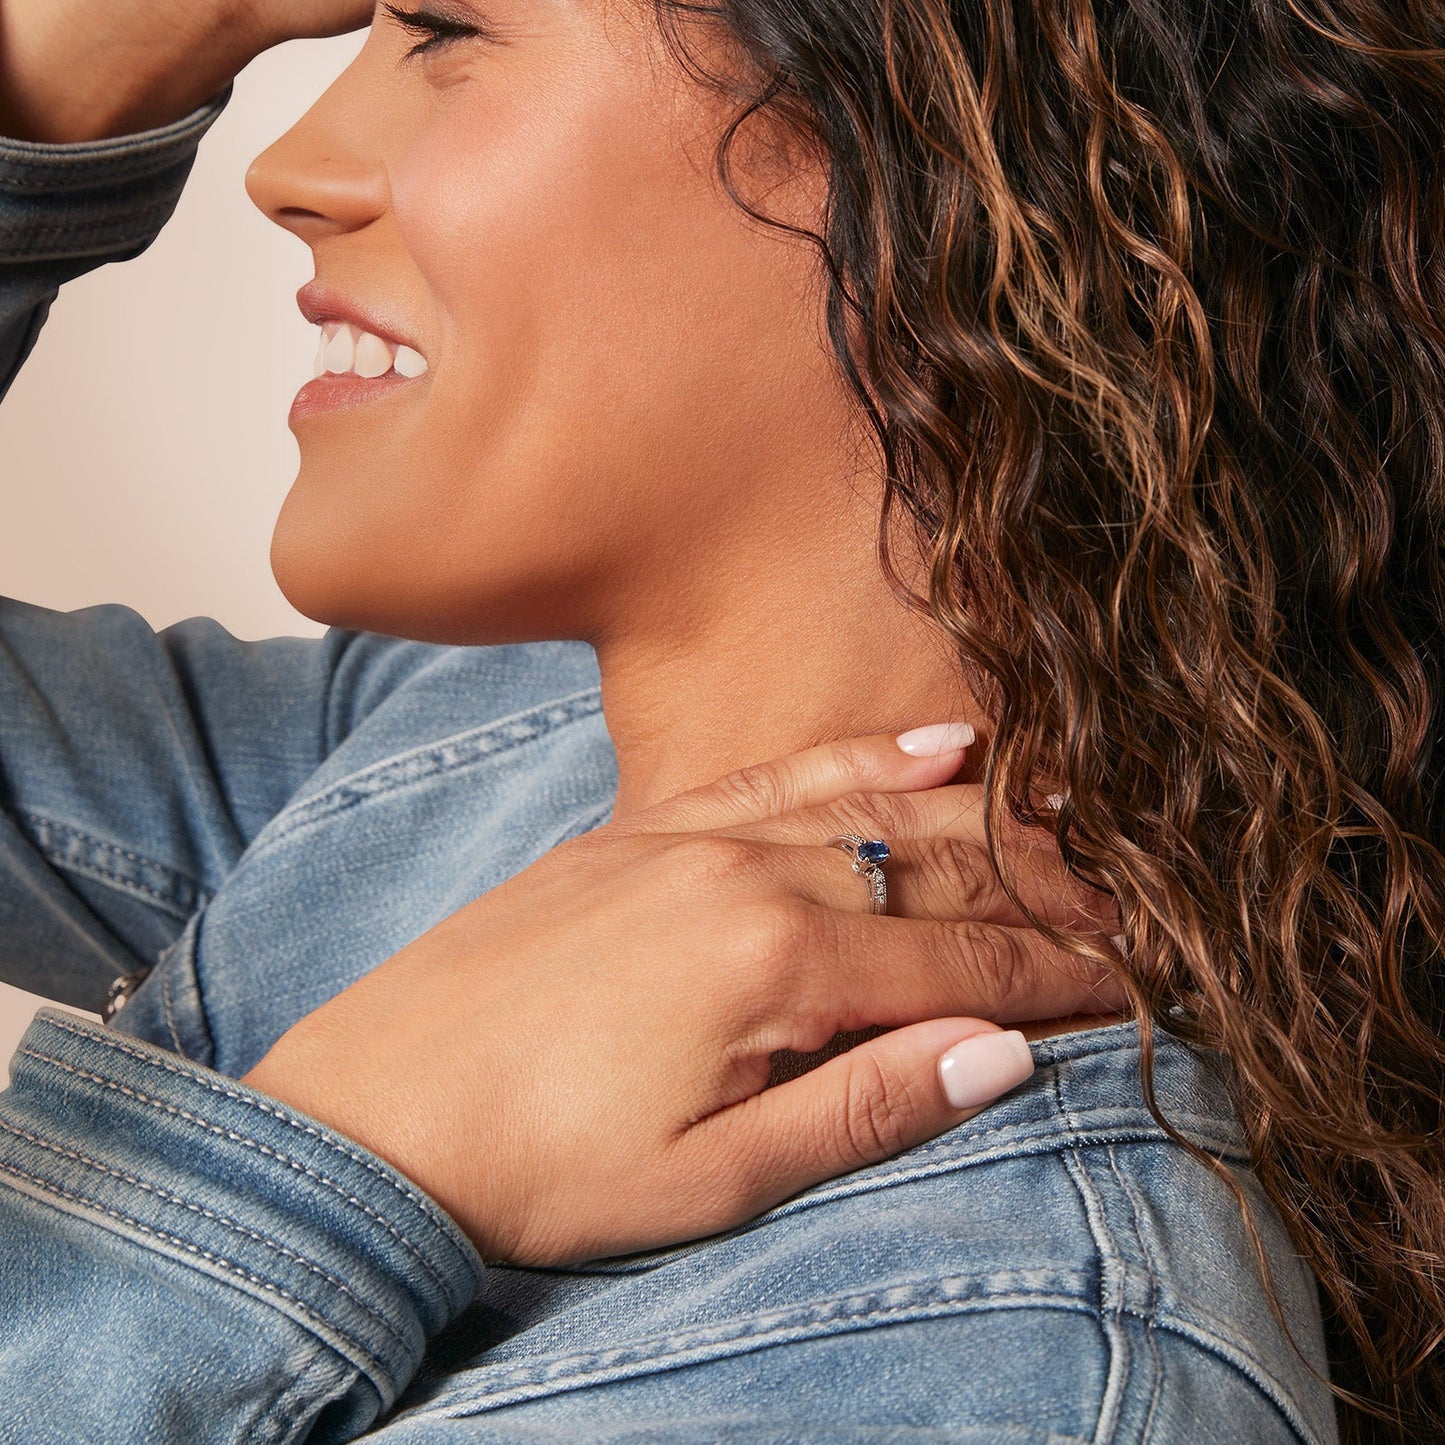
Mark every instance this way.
x=347 y=350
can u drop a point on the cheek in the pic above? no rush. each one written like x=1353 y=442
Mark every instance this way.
x=615 y=349
x=533 y=239
x=610 y=322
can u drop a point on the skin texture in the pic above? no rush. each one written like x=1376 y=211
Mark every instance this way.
x=632 y=430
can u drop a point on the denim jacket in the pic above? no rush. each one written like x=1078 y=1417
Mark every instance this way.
x=245 y=828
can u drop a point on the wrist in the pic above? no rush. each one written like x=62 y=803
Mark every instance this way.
x=68 y=76
x=323 y=1067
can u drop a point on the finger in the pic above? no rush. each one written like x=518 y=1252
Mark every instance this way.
x=815 y=776
x=945 y=879
x=953 y=810
x=895 y=971
x=939 y=864
x=876 y=1100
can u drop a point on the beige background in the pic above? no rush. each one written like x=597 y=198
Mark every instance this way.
x=145 y=450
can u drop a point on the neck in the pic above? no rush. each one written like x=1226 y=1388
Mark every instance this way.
x=797 y=645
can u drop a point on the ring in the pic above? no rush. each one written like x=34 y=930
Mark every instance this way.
x=867 y=854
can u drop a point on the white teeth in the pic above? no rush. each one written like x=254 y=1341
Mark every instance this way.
x=410 y=363
x=373 y=356
x=344 y=350
x=340 y=347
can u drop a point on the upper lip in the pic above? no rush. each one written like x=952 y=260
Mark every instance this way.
x=320 y=303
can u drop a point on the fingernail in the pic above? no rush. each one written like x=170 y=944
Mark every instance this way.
x=936 y=738
x=981 y=1068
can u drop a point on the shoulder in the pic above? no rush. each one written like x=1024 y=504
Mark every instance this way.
x=1056 y=1268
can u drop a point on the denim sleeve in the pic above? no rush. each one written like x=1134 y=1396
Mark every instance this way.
x=137 y=765
x=182 y=1259
x=66 y=209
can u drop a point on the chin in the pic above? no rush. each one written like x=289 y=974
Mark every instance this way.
x=375 y=584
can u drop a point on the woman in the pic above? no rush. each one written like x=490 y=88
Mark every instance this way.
x=1126 y=328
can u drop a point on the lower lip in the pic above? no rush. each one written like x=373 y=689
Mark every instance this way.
x=336 y=393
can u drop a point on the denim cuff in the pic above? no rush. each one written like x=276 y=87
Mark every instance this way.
x=177 y=1159
x=96 y=198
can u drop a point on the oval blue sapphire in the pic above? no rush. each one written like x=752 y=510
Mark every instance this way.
x=875 y=852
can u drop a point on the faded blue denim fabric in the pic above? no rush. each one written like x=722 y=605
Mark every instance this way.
x=249 y=827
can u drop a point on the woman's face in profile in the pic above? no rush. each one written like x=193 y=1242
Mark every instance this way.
x=625 y=376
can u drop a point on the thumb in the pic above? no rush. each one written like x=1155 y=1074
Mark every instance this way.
x=877 y=762
x=876 y=1100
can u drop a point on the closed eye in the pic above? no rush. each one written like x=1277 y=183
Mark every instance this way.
x=440 y=30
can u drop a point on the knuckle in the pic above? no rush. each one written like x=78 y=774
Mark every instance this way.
x=758 y=787
x=713 y=862
x=983 y=960
x=1001 y=964
x=874 y=815
x=774 y=934
x=962 y=873
x=880 y=1114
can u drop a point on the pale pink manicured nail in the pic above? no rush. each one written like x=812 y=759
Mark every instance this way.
x=981 y=1068
x=936 y=738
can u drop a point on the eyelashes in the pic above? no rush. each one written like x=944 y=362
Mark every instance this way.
x=440 y=30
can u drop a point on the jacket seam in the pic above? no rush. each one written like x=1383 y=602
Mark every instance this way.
x=372 y=781
x=1247 y=1368
x=224 y=1221
x=261 y=1148
x=284 y=1418
x=171 y=901
x=170 y=1012
x=26 y=241
x=320 y=1322
x=946 y=1159
x=1111 y=1293
x=159 y=146
x=1151 y=1270
x=711 y=1342
x=502 y=1385
x=69 y=185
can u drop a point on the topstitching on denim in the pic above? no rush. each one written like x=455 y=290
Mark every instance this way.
x=26 y=240
x=71 y=1201
x=222 y=1221
x=427 y=762
x=1153 y=1273
x=491 y=1386
x=446 y=1228
x=76 y=850
x=107 y=165
x=289 y=1415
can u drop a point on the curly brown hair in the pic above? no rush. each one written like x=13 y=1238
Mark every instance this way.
x=1144 y=301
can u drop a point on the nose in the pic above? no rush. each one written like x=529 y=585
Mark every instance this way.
x=321 y=179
